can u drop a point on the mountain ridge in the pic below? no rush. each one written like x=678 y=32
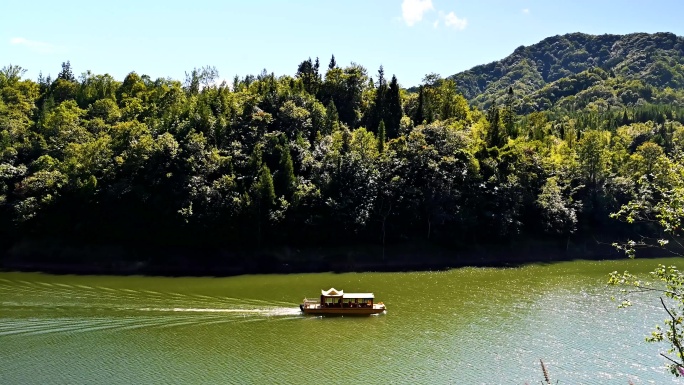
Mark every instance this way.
x=654 y=59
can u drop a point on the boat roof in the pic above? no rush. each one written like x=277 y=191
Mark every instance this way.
x=359 y=295
x=332 y=292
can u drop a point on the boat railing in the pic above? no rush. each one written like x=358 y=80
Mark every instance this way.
x=311 y=303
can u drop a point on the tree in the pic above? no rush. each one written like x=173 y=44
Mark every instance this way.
x=11 y=74
x=559 y=211
x=509 y=114
x=96 y=87
x=308 y=73
x=333 y=63
x=200 y=78
x=380 y=109
x=66 y=73
x=662 y=207
x=381 y=137
x=592 y=153
x=419 y=117
x=346 y=88
x=286 y=177
x=394 y=111
x=494 y=134
x=264 y=198
x=332 y=119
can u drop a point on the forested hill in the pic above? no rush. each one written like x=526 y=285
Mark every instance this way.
x=331 y=156
x=574 y=70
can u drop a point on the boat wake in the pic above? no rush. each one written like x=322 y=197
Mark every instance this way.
x=269 y=312
x=34 y=308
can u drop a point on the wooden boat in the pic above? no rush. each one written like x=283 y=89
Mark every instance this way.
x=337 y=302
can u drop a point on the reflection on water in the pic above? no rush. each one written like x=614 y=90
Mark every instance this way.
x=486 y=326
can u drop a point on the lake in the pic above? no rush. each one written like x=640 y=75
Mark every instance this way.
x=462 y=326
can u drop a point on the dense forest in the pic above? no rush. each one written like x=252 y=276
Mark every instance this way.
x=545 y=144
x=577 y=71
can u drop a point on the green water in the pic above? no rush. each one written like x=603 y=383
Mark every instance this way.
x=464 y=326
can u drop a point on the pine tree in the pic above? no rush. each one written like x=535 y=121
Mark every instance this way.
x=380 y=108
x=333 y=63
x=509 y=114
x=381 y=137
x=419 y=117
x=43 y=82
x=394 y=111
x=332 y=118
x=381 y=76
x=494 y=133
x=286 y=178
x=346 y=141
x=308 y=72
x=66 y=72
x=625 y=118
x=264 y=190
x=264 y=199
x=236 y=83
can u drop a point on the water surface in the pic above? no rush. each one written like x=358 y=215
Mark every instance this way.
x=464 y=326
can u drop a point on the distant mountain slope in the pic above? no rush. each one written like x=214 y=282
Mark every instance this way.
x=575 y=69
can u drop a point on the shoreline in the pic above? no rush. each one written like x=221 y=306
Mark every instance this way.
x=194 y=262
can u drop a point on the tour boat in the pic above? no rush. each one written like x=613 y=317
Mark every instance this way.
x=338 y=302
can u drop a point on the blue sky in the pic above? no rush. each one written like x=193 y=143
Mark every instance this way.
x=408 y=37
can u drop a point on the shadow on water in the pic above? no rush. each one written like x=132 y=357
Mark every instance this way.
x=362 y=258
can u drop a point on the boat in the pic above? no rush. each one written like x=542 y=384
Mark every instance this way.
x=337 y=302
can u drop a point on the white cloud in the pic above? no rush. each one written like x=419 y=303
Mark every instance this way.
x=526 y=11
x=412 y=10
x=36 y=46
x=435 y=24
x=451 y=20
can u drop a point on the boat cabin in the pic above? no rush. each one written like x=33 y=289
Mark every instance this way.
x=339 y=299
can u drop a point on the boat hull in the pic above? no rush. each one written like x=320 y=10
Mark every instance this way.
x=342 y=311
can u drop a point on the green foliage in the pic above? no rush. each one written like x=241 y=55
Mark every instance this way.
x=332 y=119
x=66 y=73
x=575 y=71
x=334 y=159
x=381 y=137
x=286 y=176
x=263 y=189
x=659 y=205
x=559 y=211
x=559 y=134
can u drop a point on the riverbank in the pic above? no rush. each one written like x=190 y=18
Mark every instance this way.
x=54 y=257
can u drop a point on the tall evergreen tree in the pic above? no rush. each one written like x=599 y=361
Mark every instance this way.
x=381 y=76
x=381 y=137
x=332 y=118
x=308 y=72
x=419 y=116
x=66 y=73
x=509 y=114
x=333 y=63
x=286 y=177
x=265 y=189
x=264 y=198
x=380 y=108
x=394 y=111
x=494 y=133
